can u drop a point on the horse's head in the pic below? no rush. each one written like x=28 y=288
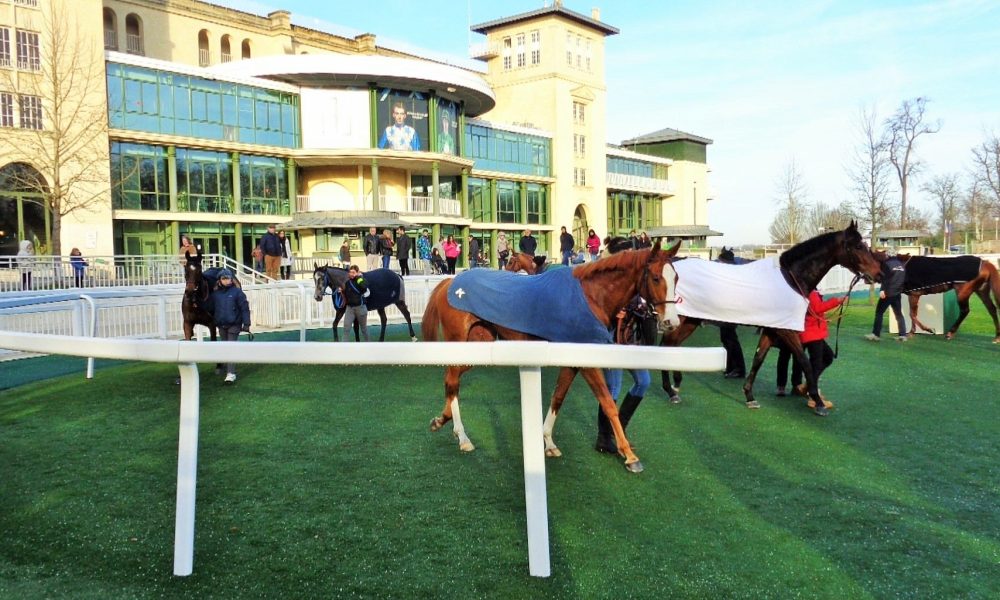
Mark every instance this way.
x=327 y=277
x=192 y=272
x=518 y=261
x=658 y=285
x=854 y=254
x=726 y=255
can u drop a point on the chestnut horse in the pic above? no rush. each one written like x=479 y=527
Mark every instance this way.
x=803 y=267
x=607 y=286
x=984 y=281
x=519 y=261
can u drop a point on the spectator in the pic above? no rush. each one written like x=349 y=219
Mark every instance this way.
x=287 y=260
x=258 y=259
x=438 y=266
x=26 y=262
x=473 y=252
x=452 y=250
x=424 y=250
x=814 y=343
x=893 y=274
x=355 y=291
x=79 y=265
x=185 y=247
x=345 y=253
x=271 y=245
x=371 y=247
x=231 y=312
x=593 y=245
x=503 y=249
x=527 y=244
x=566 y=244
x=404 y=246
x=385 y=247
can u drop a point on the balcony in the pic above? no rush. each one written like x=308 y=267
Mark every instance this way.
x=226 y=57
x=133 y=44
x=110 y=39
x=637 y=183
x=484 y=50
x=204 y=57
x=405 y=205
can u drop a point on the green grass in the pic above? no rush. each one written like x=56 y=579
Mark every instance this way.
x=325 y=482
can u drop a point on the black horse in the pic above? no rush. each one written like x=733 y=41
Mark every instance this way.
x=803 y=266
x=386 y=288
x=196 y=305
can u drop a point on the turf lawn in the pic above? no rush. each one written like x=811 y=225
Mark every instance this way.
x=325 y=482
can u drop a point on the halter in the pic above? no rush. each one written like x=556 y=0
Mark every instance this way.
x=326 y=283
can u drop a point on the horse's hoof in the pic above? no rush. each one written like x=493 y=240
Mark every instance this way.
x=820 y=411
x=753 y=404
x=996 y=340
x=466 y=447
x=553 y=453
x=634 y=467
x=177 y=381
x=949 y=336
x=675 y=399
x=436 y=424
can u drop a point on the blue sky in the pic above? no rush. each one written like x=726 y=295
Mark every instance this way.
x=769 y=82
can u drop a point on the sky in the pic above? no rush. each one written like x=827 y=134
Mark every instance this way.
x=769 y=82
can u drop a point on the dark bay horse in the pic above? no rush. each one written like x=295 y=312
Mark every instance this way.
x=606 y=285
x=803 y=266
x=386 y=287
x=195 y=306
x=966 y=275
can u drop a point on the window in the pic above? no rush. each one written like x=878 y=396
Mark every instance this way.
x=263 y=185
x=139 y=177
x=506 y=54
x=480 y=202
x=26 y=2
x=538 y=205
x=6 y=110
x=4 y=47
x=579 y=114
x=498 y=150
x=569 y=50
x=508 y=202
x=204 y=181
x=225 y=52
x=246 y=49
x=586 y=55
x=204 y=54
x=110 y=29
x=579 y=145
x=520 y=50
x=133 y=35
x=536 y=50
x=28 y=57
x=31 y=112
x=579 y=176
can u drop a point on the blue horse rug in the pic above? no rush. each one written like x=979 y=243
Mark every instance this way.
x=385 y=285
x=550 y=306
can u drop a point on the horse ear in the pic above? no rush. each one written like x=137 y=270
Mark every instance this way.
x=672 y=250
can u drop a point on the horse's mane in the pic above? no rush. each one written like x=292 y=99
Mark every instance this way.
x=630 y=259
x=807 y=248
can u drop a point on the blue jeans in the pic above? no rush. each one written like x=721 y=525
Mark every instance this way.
x=896 y=302
x=385 y=261
x=565 y=256
x=640 y=377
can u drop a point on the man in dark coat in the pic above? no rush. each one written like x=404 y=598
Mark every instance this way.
x=893 y=276
x=527 y=243
x=404 y=247
x=473 y=252
x=565 y=246
x=271 y=245
x=371 y=247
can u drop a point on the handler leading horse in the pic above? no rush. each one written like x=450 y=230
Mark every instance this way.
x=386 y=286
x=590 y=296
x=802 y=267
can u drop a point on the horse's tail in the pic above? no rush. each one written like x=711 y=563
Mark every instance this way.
x=993 y=281
x=431 y=320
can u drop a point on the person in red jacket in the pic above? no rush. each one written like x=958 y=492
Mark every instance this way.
x=820 y=353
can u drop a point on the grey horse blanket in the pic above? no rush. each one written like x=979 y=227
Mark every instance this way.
x=550 y=306
x=923 y=272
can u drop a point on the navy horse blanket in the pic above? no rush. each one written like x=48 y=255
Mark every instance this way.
x=550 y=306
x=386 y=287
x=922 y=272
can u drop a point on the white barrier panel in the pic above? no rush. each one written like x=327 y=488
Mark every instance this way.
x=510 y=354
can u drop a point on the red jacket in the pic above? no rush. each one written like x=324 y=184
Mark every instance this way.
x=816 y=328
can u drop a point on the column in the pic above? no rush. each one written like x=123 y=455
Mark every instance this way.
x=435 y=189
x=293 y=187
x=172 y=178
x=237 y=191
x=376 y=200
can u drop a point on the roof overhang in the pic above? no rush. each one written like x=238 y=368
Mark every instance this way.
x=682 y=231
x=420 y=162
x=345 y=219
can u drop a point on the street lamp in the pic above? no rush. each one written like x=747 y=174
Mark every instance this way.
x=996 y=226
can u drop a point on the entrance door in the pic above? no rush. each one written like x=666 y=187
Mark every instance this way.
x=580 y=228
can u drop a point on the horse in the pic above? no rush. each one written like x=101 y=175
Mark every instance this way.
x=605 y=287
x=802 y=267
x=386 y=288
x=966 y=275
x=196 y=304
x=519 y=261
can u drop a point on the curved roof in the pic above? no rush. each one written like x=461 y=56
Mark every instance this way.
x=341 y=70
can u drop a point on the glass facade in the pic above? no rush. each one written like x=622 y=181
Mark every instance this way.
x=139 y=177
x=480 y=200
x=628 y=211
x=626 y=166
x=264 y=185
x=538 y=203
x=508 y=202
x=498 y=150
x=155 y=101
x=204 y=181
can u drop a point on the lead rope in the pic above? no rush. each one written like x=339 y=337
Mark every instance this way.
x=840 y=314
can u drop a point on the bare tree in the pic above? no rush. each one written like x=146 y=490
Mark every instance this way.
x=821 y=218
x=902 y=130
x=944 y=190
x=975 y=207
x=869 y=174
x=789 y=225
x=70 y=147
x=986 y=170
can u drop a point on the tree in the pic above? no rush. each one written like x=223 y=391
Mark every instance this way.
x=944 y=190
x=902 y=130
x=789 y=225
x=975 y=207
x=986 y=170
x=869 y=174
x=70 y=148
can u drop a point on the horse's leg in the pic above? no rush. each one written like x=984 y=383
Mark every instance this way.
x=763 y=346
x=406 y=315
x=676 y=338
x=984 y=295
x=382 y=319
x=963 y=311
x=566 y=376
x=213 y=335
x=336 y=323
x=914 y=302
x=595 y=378
x=452 y=375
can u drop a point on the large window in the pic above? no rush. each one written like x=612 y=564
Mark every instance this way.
x=521 y=60
x=204 y=181
x=31 y=112
x=402 y=119
x=28 y=56
x=157 y=101
x=536 y=47
x=6 y=110
x=508 y=202
x=23 y=215
x=139 y=177
x=264 y=185
x=4 y=47
x=538 y=203
x=627 y=166
x=628 y=211
x=499 y=150
x=480 y=201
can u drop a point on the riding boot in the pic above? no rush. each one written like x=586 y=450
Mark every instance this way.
x=629 y=404
x=605 y=435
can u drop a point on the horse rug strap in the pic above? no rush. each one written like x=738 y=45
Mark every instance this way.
x=924 y=271
x=636 y=324
x=551 y=306
x=750 y=294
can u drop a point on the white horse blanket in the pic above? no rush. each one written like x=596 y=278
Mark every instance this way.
x=755 y=293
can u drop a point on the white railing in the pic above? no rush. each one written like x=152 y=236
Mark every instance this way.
x=419 y=205
x=133 y=44
x=641 y=184
x=204 y=57
x=450 y=207
x=519 y=354
x=484 y=50
x=111 y=39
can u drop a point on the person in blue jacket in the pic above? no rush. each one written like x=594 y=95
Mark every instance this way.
x=231 y=312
